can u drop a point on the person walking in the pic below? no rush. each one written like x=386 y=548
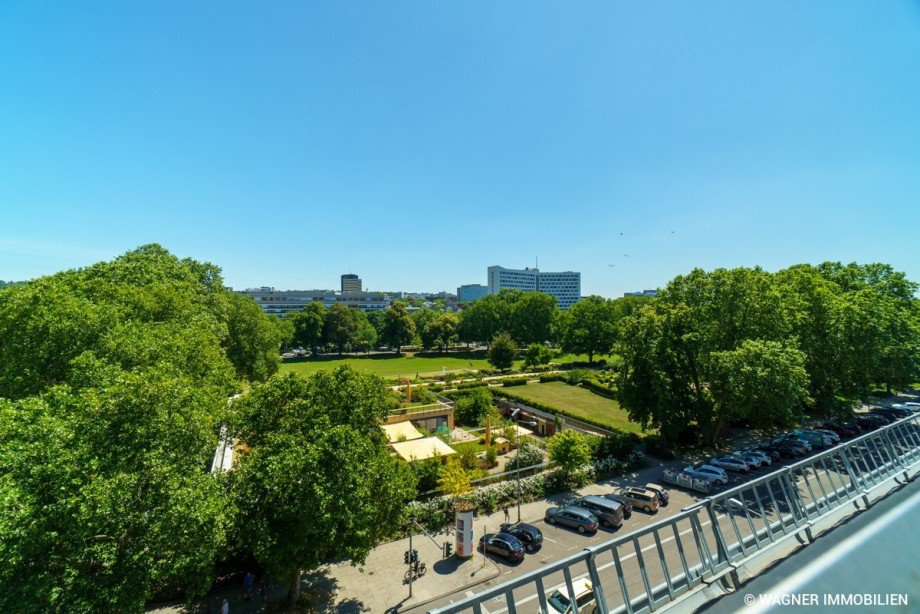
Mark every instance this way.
x=248 y=583
x=507 y=514
x=225 y=607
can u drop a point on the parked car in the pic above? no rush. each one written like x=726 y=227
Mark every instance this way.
x=504 y=545
x=912 y=406
x=870 y=422
x=908 y=407
x=765 y=458
x=844 y=430
x=716 y=474
x=817 y=440
x=641 y=498
x=609 y=513
x=798 y=441
x=774 y=455
x=785 y=449
x=834 y=437
x=897 y=410
x=731 y=463
x=627 y=506
x=754 y=461
x=663 y=495
x=527 y=534
x=560 y=601
x=884 y=417
x=575 y=517
x=687 y=480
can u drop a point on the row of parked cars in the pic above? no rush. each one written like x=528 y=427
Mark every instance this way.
x=584 y=515
x=705 y=476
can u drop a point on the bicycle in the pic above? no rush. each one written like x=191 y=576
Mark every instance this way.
x=417 y=570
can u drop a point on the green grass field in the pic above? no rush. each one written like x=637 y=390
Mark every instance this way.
x=385 y=365
x=405 y=365
x=578 y=401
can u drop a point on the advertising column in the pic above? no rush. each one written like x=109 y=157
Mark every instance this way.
x=464 y=546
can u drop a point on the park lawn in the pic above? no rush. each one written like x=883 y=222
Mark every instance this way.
x=406 y=364
x=580 y=402
x=391 y=365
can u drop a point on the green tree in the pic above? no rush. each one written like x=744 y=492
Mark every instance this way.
x=489 y=316
x=318 y=480
x=762 y=382
x=254 y=339
x=592 y=327
x=570 y=449
x=532 y=318
x=442 y=332
x=398 y=327
x=308 y=326
x=453 y=479
x=537 y=354
x=472 y=407
x=422 y=318
x=341 y=327
x=502 y=352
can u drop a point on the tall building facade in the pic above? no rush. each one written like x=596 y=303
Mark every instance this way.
x=351 y=283
x=280 y=302
x=565 y=286
x=471 y=292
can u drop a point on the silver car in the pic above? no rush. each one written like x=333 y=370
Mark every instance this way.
x=731 y=463
x=715 y=474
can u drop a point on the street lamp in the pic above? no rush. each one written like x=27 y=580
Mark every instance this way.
x=517 y=463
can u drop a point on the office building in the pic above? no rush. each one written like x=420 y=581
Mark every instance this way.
x=351 y=283
x=565 y=286
x=648 y=293
x=280 y=302
x=471 y=292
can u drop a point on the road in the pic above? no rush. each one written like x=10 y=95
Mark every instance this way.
x=561 y=542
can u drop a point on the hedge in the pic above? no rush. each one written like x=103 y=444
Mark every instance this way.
x=437 y=513
x=516 y=381
x=600 y=389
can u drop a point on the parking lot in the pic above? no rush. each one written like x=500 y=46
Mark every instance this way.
x=765 y=504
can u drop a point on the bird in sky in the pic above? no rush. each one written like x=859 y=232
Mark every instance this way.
x=611 y=265
x=626 y=255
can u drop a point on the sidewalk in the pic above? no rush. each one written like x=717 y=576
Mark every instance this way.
x=378 y=586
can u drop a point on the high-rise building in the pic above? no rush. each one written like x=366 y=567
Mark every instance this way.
x=351 y=283
x=471 y=292
x=565 y=286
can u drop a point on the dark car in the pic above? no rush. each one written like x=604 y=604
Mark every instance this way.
x=527 y=534
x=844 y=430
x=870 y=422
x=575 y=517
x=504 y=545
x=663 y=495
x=785 y=450
x=885 y=417
x=627 y=506
x=774 y=455
x=896 y=411
x=609 y=513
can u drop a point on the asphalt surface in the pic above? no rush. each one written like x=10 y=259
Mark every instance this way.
x=560 y=542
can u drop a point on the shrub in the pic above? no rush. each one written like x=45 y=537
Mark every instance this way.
x=528 y=454
x=552 y=377
x=466 y=385
x=618 y=445
x=491 y=456
x=472 y=408
x=537 y=354
x=502 y=352
x=515 y=381
x=569 y=449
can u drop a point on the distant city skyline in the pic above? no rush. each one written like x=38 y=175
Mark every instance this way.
x=418 y=144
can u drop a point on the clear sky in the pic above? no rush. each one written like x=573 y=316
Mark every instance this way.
x=417 y=143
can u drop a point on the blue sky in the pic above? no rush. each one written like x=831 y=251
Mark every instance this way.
x=417 y=143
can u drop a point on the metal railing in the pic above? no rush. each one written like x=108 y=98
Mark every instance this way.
x=715 y=533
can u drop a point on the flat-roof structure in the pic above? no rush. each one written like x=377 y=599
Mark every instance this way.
x=400 y=431
x=421 y=449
